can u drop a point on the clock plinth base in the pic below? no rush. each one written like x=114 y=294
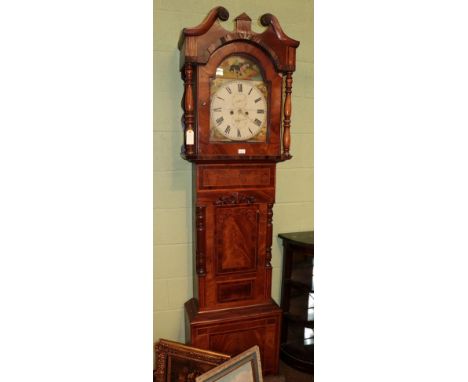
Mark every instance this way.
x=231 y=331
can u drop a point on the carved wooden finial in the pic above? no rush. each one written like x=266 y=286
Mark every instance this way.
x=243 y=23
x=243 y=16
x=223 y=13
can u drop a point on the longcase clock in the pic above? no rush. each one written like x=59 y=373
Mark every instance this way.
x=237 y=113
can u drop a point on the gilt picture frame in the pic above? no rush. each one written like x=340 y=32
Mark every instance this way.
x=176 y=362
x=245 y=367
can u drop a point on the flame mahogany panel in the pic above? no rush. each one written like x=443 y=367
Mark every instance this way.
x=221 y=176
x=236 y=242
x=236 y=291
x=235 y=252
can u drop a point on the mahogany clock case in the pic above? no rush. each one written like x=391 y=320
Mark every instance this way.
x=234 y=188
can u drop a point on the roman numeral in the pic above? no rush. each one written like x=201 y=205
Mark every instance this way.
x=251 y=132
x=220 y=98
x=238 y=133
x=260 y=111
x=228 y=129
x=220 y=120
x=258 y=99
x=257 y=122
x=239 y=88
x=217 y=109
x=228 y=89
x=250 y=91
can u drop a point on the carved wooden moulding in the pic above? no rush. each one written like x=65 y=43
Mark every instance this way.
x=235 y=198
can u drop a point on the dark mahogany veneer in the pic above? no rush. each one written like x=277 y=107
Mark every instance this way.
x=233 y=194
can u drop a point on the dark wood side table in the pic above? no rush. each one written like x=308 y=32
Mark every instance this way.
x=297 y=301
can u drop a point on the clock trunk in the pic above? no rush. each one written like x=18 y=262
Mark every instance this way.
x=233 y=222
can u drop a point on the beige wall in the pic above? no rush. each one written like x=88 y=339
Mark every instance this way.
x=294 y=208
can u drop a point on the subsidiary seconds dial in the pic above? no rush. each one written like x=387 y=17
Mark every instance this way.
x=238 y=110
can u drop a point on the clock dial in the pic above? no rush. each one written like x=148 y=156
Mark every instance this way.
x=238 y=110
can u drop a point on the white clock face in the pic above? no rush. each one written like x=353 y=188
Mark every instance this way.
x=238 y=110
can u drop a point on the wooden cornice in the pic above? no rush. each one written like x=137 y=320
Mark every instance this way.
x=197 y=44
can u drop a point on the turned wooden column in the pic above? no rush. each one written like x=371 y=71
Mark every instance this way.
x=189 y=133
x=287 y=116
